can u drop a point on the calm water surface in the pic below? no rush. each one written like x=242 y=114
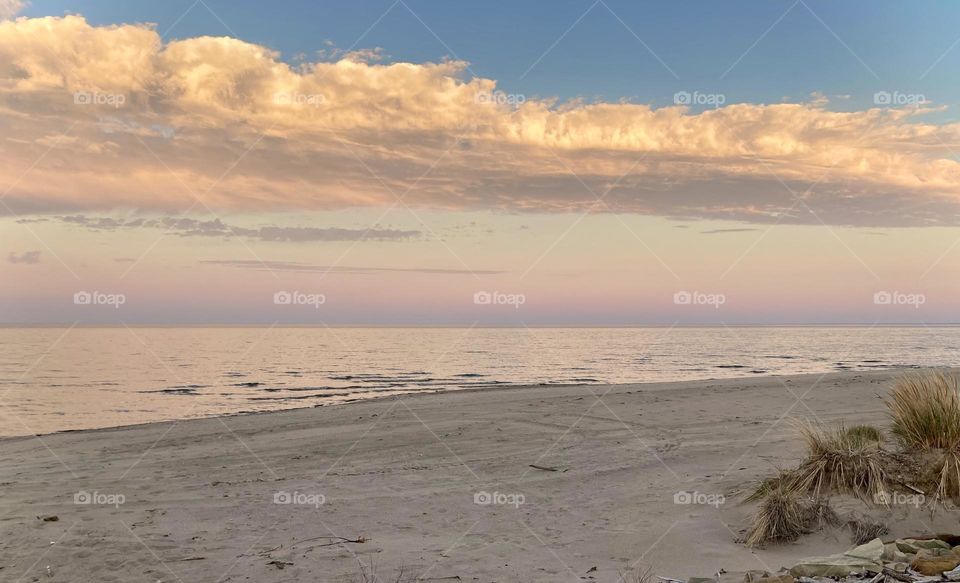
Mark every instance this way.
x=56 y=379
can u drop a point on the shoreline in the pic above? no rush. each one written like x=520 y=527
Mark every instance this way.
x=489 y=388
x=541 y=483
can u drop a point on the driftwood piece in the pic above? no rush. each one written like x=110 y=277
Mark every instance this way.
x=547 y=468
x=898 y=576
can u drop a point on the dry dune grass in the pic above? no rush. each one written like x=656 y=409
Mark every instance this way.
x=786 y=511
x=841 y=461
x=925 y=411
x=925 y=414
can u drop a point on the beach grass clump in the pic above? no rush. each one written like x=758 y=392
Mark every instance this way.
x=637 y=575
x=945 y=477
x=864 y=434
x=784 y=480
x=925 y=414
x=864 y=530
x=369 y=574
x=925 y=410
x=841 y=461
x=785 y=512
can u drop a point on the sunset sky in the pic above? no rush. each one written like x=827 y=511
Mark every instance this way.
x=396 y=158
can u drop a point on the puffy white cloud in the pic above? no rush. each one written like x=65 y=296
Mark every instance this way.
x=122 y=119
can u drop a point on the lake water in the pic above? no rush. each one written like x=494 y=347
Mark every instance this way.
x=53 y=379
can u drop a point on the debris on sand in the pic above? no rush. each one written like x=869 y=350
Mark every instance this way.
x=905 y=560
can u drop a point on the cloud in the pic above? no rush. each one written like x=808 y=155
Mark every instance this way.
x=123 y=119
x=304 y=267
x=10 y=8
x=721 y=231
x=27 y=257
x=189 y=227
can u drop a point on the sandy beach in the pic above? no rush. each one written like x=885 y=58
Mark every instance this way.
x=626 y=476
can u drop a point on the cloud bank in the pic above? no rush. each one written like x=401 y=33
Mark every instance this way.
x=27 y=257
x=340 y=269
x=120 y=119
x=189 y=227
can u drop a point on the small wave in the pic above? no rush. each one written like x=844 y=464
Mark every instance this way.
x=191 y=390
x=300 y=397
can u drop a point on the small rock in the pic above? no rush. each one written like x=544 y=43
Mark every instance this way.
x=754 y=576
x=777 y=579
x=912 y=546
x=935 y=561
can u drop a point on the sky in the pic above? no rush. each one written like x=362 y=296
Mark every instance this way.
x=416 y=162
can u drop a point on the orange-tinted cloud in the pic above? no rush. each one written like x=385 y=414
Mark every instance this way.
x=120 y=119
